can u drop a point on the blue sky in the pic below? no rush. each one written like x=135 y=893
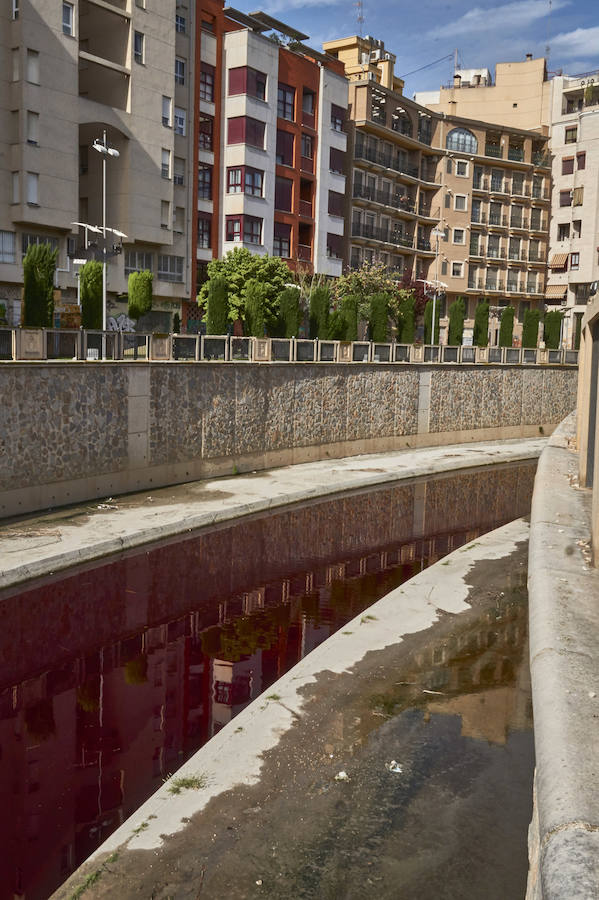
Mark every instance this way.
x=484 y=34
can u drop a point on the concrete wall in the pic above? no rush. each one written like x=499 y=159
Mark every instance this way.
x=70 y=431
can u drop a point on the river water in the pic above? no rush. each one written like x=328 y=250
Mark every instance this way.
x=111 y=677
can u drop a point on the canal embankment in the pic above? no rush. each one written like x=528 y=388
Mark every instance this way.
x=564 y=635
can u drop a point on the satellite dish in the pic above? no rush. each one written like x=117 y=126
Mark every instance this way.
x=594 y=287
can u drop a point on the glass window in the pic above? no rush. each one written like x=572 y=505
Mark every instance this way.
x=138 y=261
x=571 y=135
x=285 y=102
x=166 y=163
x=204 y=182
x=207 y=83
x=205 y=132
x=252 y=230
x=307 y=146
x=204 y=231
x=67 y=18
x=165 y=214
x=138 y=47
x=284 y=152
x=170 y=268
x=460 y=201
x=28 y=239
x=33 y=66
x=32 y=187
x=7 y=247
x=180 y=121
x=283 y=193
x=456 y=269
x=180 y=72
x=179 y=171
x=15 y=12
x=234 y=180
x=33 y=121
x=581 y=159
x=567 y=165
x=459 y=236
x=253 y=182
x=574 y=261
x=180 y=24
x=15 y=188
x=234 y=229
x=282 y=240
x=461 y=168
x=565 y=198
x=462 y=140
x=166 y=111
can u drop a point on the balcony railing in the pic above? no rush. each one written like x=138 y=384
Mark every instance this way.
x=517 y=255
x=476 y=250
x=385 y=160
x=538 y=225
x=481 y=184
x=541 y=158
x=305 y=208
x=423 y=244
x=478 y=219
x=518 y=223
x=540 y=194
x=497 y=219
x=499 y=186
x=304 y=252
x=520 y=190
x=396 y=200
x=495 y=253
x=516 y=154
x=493 y=150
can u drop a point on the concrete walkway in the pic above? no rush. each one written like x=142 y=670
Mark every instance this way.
x=39 y=545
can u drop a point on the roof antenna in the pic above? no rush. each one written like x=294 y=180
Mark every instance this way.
x=360 y=16
x=548 y=45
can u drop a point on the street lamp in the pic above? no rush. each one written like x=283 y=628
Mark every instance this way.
x=436 y=233
x=105 y=150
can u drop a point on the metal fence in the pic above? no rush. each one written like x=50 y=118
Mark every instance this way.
x=92 y=346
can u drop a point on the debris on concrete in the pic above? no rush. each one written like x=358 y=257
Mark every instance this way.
x=394 y=767
x=342 y=776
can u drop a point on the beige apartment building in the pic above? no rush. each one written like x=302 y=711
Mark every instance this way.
x=72 y=71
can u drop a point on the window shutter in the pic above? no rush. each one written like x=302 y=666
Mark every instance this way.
x=285 y=147
x=337 y=160
x=337 y=112
x=282 y=231
x=567 y=165
x=336 y=202
x=335 y=245
x=238 y=80
x=577 y=195
x=236 y=130
x=283 y=194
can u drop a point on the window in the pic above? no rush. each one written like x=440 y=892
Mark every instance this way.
x=15 y=64
x=206 y=82
x=581 y=159
x=336 y=203
x=170 y=268
x=245 y=80
x=180 y=24
x=461 y=168
x=576 y=228
x=285 y=102
x=254 y=180
x=205 y=132
x=337 y=161
x=234 y=228
x=460 y=202
x=166 y=163
x=180 y=72
x=15 y=188
x=208 y=24
x=33 y=66
x=138 y=261
x=15 y=15
x=565 y=198
x=252 y=230
x=33 y=121
x=165 y=214
x=138 y=48
x=204 y=231
x=574 y=261
x=27 y=240
x=308 y=106
x=571 y=135
x=447 y=201
x=577 y=196
x=180 y=121
x=307 y=146
x=567 y=165
x=283 y=193
x=462 y=140
x=457 y=269
x=335 y=246
x=449 y=165
x=337 y=117
x=32 y=188
x=179 y=220
x=444 y=267
x=234 y=180
x=167 y=111
x=204 y=182
x=67 y=19
x=282 y=240
x=179 y=171
x=7 y=247
x=285 y=141
x=245 y=130
x=459 y=236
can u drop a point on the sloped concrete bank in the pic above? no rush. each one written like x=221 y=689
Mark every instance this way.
x=238 y=818
x=564 y=637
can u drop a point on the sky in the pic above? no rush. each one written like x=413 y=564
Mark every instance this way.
x=424 y=32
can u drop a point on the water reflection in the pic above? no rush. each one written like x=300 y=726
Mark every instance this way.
x=113 y=676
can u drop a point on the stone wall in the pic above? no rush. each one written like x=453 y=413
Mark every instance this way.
x=73 y=431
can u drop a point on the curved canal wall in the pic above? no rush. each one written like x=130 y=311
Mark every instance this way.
x=75 y=431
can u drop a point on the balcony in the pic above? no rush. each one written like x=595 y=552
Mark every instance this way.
x=385 y=160
x=540 y=194
x=520 y=190
x=512 y=287
x=499 y=186
x=423 y=244
x=494 y=150
x=480 y=219
x=305 y=208
x=497 y=219
x=385 y=198
x=304 y=252
x=481 y=184
x=519 y=223
x=536 y=257
x=495 y=253
x=538 y=225
x=516 y=255
x=495 y=286
x=307 y=164
x=541 y=158
x=516 y=154
x=475 y=284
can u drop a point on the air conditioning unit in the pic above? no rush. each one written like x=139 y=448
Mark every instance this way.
x=375 y=55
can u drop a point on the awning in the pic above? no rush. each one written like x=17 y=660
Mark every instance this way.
x=556 y=291
x=558 y=260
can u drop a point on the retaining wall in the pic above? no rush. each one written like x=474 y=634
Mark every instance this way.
x=74 y=431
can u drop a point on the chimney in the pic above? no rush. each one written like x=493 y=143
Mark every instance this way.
x=457 y=81
x=529 y=56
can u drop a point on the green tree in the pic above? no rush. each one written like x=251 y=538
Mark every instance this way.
x=217 y=306
x=337 y=326
x=506 y=327
x=140 y=294
x=255 y=307
x=90 y=282
x=428 y=318
x=239 y=267
x=481 y=324
x=39 y=266
x=553 y=328
x=320 y=304
x=369 y=279
x=290 y=313
x=457 y=314
x=530 y=328
x=378 y=317
x=405 y=318
x=349 y=312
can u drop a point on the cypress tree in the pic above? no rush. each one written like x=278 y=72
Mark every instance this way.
x=90 y=283
x=290 y=314
x=481 y=324
x=349 y=311
x=217 y=312
x=406 y=326
x=255 y=305
x=457 y=314
x=506 y=327
x=530 y=329
x=39 y=266
x=140 y=294
x=320 y=302
x=553 y=328
x=379 y=317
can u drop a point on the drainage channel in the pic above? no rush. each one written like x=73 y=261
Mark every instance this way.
x=115 y=675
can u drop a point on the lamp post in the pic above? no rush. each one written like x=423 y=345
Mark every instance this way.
x=105 y=150
x=436 y=233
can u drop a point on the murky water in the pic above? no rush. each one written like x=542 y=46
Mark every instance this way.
x=112 y=677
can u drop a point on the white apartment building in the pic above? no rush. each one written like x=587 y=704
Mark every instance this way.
x=72 y=71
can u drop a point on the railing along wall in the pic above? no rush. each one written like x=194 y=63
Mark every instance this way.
x=45 y=344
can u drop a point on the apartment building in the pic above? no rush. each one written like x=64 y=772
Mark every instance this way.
x=495 y=199
x=574 y=261
x=74 y=70
x=391 y=199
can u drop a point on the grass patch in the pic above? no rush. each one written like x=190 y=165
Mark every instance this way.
x=140 y=828
x=189 y=783
x=274 y=697
x=91 y=879
x=368 y=618
x=347 y=632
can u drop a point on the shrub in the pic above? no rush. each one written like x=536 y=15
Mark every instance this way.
x=406 y=320
x=320 y=302
x=176 y=324
x=378 y=317
x=290 y=314
x=39 y=266
x=217 y=306
x=530 y=329
x=349 y=312
x=428 y=318
x=90 y=282
x=506 y=327
x=457 y=314
x=140 y=294
x=481 y=324
x=337 y=327
x=255 y=304
x=553 y=328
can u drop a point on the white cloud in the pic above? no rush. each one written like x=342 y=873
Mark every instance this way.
x=512 y=16
x=579 y=43
x=273 y=7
